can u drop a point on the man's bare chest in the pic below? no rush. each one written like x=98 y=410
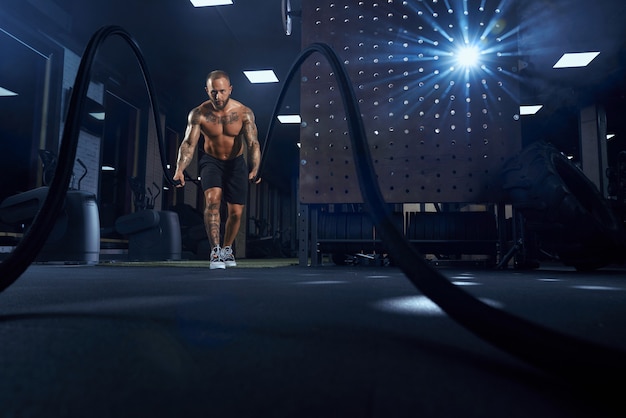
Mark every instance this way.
x=228 y=124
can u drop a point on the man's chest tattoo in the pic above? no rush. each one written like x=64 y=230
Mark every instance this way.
x=223 y=120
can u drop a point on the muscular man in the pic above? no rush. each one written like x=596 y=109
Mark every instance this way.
x=225 y=124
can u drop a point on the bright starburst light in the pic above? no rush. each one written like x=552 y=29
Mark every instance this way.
x=468 y=56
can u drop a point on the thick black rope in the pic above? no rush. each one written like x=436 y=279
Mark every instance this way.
x=571 y=358
x=566 y=356
x=35 y=237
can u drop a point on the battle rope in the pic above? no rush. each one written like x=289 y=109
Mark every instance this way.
x=566 y=356
x=561 y=354
x=35 y=237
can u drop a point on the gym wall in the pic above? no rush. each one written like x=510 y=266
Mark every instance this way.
x=439 y=131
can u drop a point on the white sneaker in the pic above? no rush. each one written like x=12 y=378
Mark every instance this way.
x=228 y=257
x=216 y=261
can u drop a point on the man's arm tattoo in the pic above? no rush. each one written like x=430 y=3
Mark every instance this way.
x=185 y=155
x=251 y=135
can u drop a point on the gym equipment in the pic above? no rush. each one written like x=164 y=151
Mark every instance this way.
x=152 y=235
x=563 y=207
x=32 y=242
x=75 y=236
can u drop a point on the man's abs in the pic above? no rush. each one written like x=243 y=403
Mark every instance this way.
x=223 y=147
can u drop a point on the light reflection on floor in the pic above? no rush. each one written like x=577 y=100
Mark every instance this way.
x=321 y=282
x=419 y=305
x=464 y=279
x=589 y=287
x=459 y=283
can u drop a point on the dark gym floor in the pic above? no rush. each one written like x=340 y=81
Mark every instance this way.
x=177 y=340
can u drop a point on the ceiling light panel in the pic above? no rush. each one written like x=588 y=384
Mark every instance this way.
x=529 y=109
x=289 y=118
x=5 y=92
x=575 y=59
x=205 y=3
x=261 y=76
x=98 y=115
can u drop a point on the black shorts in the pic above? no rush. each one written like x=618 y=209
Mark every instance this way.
x=229 y=175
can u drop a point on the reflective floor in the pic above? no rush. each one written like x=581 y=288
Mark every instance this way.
x=256 y=340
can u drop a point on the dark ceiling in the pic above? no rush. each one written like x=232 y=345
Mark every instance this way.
x=550 y=28
x=182 y=43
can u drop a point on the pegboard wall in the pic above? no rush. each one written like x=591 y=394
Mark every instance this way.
x=439 y=129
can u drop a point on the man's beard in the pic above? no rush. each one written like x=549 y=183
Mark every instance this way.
x=222 y=106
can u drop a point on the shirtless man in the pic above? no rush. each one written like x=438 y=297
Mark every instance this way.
x=225 y=123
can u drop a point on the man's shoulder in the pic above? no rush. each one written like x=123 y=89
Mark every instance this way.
x=199 y=111
x=203 y=107
x=234 y=105
x=239 y=107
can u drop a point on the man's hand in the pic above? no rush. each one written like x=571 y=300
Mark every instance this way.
x=180 y=178
x=252 y=178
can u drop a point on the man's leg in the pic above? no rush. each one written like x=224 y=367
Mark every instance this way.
x=213 y=198
x=235 y=212
x=231 y=228
x=235 y=194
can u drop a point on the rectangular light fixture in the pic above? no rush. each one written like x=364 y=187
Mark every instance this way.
x=261 y=76
x=529 y=110
x=6 y=93
x=205 y=3
x=289 y=118
x=575 y=59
